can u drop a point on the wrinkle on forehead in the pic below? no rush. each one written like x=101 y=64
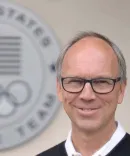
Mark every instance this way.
x=90 y=55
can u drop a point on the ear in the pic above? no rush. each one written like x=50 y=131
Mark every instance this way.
x=59 y=90
x=122 y=92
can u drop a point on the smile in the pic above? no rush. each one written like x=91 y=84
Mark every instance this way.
x=84 y=109
x=87 y=111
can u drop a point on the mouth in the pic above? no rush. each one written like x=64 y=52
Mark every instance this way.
x=87 y=111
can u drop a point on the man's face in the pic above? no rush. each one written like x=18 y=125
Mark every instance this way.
x=90 y=58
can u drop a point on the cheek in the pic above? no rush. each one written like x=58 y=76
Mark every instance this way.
x=68 y=100
x=109 y=101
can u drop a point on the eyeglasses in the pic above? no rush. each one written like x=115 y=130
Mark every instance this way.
x=99 y=85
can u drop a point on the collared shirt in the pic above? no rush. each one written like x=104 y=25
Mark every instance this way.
x=104 y=150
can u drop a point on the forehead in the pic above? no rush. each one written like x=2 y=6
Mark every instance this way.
x=90 y=55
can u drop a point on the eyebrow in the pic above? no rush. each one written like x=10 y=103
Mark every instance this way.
x=102 y=77
x=96 y=77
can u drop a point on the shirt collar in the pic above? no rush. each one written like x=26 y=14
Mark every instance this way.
x=105 y=149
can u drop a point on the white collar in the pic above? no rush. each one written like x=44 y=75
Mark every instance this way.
x=105 y=149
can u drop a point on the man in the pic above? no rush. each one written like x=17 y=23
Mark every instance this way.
x=91 y=81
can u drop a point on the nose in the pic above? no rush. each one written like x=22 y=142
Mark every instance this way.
x=87 y=93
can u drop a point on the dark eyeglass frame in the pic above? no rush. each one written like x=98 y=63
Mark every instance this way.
x=91 y=83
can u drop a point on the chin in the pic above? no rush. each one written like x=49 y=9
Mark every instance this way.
x=88 y=126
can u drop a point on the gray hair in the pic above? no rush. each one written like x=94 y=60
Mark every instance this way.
x=120 y=57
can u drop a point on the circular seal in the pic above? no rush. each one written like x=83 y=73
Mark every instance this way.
x=28 y=52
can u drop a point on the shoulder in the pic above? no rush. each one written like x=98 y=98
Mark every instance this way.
x=122 y=148
x=57 y=150
x=127 y=138
x=125 y=142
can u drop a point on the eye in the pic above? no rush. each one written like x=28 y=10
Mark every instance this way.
x=78 y=81
x=103 y=82
x=73 y=81
x=100 y=81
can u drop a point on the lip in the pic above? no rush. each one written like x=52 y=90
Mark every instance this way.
x=87 y=111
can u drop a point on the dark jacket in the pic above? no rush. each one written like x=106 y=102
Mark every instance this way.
x=121 y=149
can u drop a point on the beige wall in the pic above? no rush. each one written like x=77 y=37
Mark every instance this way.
x=67 y=17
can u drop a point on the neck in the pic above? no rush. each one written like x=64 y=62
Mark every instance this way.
x=87 y=143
